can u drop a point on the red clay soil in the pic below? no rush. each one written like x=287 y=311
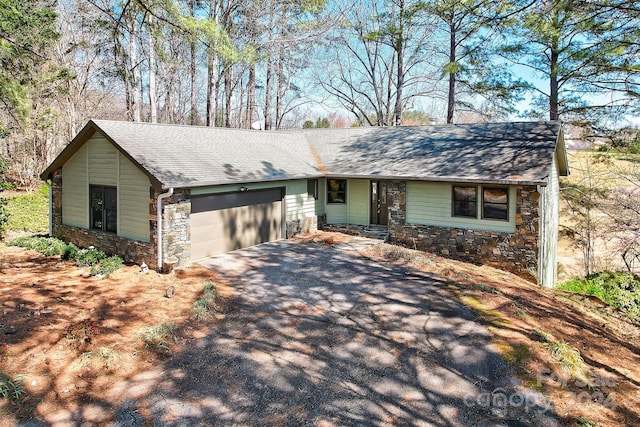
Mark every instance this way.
x=73 y=335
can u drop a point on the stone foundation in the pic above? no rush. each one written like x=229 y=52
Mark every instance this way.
x=516 y=252
x=298 y=227
x=176 y=226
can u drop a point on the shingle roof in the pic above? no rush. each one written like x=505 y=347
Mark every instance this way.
x=191 y=156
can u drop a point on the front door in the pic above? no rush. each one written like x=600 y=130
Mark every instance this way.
x=379 y=207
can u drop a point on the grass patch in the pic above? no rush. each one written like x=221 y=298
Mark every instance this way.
x=399 y=253
x=11 y=388
x=566 y=356
x=618 y=289
x=205 y=307
x=107 y=357
x=29 y=212
x=493 y=317
x=157 y=337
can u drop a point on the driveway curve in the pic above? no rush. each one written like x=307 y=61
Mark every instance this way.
x=322 y=336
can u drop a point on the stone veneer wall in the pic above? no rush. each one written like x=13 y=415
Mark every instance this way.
x=297 y=227
x=130 y=250
x=176 y=226
x=516 y=252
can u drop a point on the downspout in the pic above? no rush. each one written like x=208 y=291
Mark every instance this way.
x=159 y=227
x=50 y=209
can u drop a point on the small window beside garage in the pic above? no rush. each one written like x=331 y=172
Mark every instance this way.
x=312 y=188
x=103 y=209
x=336 y=191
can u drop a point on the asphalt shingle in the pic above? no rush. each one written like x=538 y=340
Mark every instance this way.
x=192 y=156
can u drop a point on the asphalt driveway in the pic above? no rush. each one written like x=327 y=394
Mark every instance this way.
x=322 y=336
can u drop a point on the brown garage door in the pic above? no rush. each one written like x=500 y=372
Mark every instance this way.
x=225 y=222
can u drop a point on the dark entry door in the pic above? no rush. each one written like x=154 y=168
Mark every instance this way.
x=379 y=207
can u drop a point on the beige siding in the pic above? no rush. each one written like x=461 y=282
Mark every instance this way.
x=98 y=162
x=75 y=190
x=133 y=201
x=356 y=210
x=103 y=162
x=550 y=212
x=429 y=203
x=322 y=196
x=358 y=201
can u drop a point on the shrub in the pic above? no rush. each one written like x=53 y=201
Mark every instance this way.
x=106 y=266
x=48 y=246
x=70 y=252
x=89 y=257
x=619 y=289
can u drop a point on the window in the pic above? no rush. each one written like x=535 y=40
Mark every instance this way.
x=336 y=191
x=464 y=201
x=495 y=203
x=103 y=211
x=312 y=188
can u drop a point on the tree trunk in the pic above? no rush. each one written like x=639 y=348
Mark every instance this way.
x=397 y=110
x=228 y=88
x=251 y=96
x=153 y=87
x=267 y=95
x=212 y=89
x=451 y=96
x=133 y=60
x=192 y=46
x=281 y=87
x=553 y=74
x=553 y=86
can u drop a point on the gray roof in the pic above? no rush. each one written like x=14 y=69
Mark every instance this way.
x=192 y=156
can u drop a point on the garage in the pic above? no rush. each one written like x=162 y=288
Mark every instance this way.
x=225 y=222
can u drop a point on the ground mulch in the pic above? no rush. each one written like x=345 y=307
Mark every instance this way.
x=74 y=335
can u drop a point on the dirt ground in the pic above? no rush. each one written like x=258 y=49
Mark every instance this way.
x=74 y=335
x=45 y=302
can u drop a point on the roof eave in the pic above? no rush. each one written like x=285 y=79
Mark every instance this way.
x=179 y=184
x=454 y=179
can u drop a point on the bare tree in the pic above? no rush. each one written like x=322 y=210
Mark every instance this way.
x=378 y=60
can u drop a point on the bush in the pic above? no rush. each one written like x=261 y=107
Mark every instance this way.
x=99 y=262
x=48 y=246
x=70 y=252
x=619 y=289
x=106 y=266
x=89 y=257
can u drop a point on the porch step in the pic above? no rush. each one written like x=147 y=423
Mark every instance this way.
x=371 y=231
